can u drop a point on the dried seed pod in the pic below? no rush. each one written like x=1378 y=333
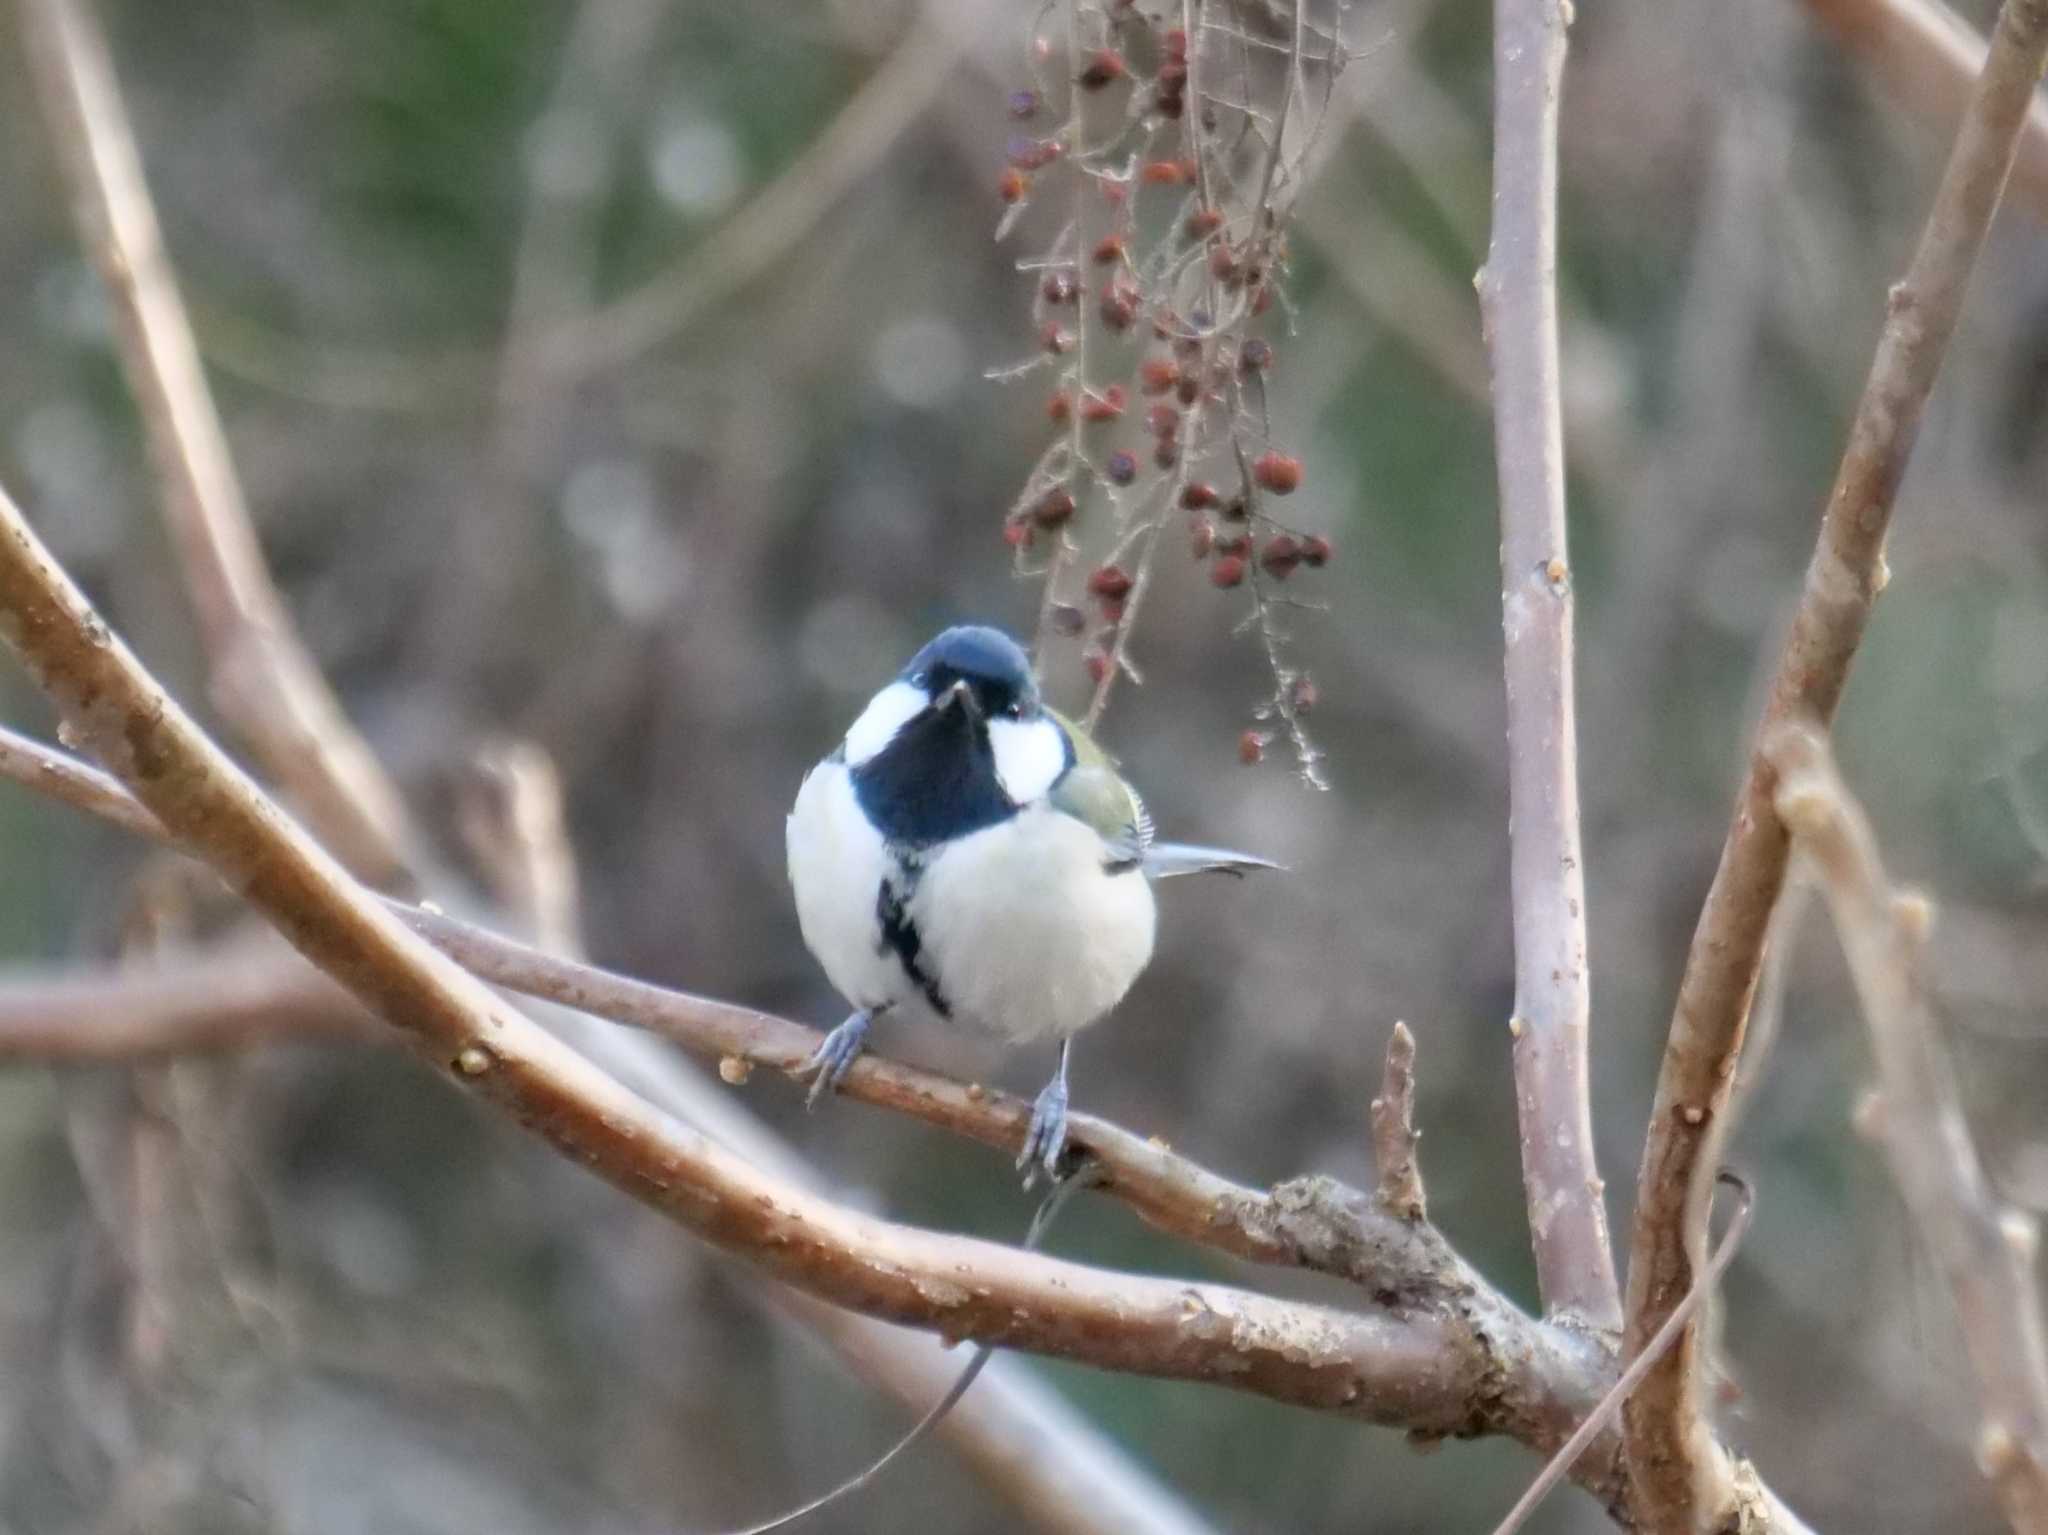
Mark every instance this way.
x=1068 y=619
x=1281 y=554
x=1106 y=406
x=1105 y=68
x=1277 y=472
x=1109 y=581
x=1055 y=508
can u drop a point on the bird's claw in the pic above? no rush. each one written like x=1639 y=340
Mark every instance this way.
x=1046 y=1141
x=834 y=1057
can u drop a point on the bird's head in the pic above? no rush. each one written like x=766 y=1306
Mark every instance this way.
x=960 y=738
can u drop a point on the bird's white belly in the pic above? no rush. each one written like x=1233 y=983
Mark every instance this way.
x=1028 y=935
x=836 y=865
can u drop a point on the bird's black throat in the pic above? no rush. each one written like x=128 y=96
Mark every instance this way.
x=935 y=781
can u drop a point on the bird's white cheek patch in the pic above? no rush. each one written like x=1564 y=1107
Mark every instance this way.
x=1030 y=756
x=887 y=712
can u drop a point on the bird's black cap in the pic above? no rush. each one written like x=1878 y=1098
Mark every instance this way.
x=987 y=660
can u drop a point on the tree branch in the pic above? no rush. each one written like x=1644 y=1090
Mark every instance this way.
x=1466 y=1363
x=1518 y=299
x=1681 y=1476
x=1983 y=1248
x=262 y=681
x=1929 y=57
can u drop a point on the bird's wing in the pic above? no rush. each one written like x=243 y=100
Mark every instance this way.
x=1094 y=793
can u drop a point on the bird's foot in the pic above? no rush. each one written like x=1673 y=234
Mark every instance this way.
x=1046 y=1141
x=834 y=1057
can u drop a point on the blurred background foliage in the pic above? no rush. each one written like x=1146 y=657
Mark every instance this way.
x=309 y=1288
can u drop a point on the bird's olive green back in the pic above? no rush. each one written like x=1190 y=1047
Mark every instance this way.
x=1094 y=793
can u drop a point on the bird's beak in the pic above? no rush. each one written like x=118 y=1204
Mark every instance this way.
x=959 y=696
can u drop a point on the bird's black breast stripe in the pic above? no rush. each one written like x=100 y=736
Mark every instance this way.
x=899 y=934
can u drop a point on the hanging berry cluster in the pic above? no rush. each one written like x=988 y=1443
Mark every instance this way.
x=1170 y=143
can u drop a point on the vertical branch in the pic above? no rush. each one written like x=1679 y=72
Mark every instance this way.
x=262 y=679
x=1984 y=1250
x=1681 y=1476
x=1518 y=297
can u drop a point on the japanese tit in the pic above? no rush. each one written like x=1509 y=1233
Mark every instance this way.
x=967 y=854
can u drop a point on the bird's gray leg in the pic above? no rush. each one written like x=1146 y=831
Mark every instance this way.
x=1047 y=1137
x=834 y=1057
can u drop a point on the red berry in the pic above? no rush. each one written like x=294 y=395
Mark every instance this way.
x=1053 y=339
x=1060 y=288
x=1227 y=571
x=1251 y=748
x=1236 y=511
x=1162 y=421
x=1060 y=406
x=1097 y=662
x=1202 y=223
x=1222 y=264
x=1281 y=554
x=1109 y=250
x=1169 y=104
x=1109 y=581
x=1172 y=78
x=1013 y=185
x=1190 y=389
x=1120 y=305
x=1055 y=507
x=1201 y=538
x=1112 y=609
x=1315 y=551
x=1166 y=452
x=1105 y=68
x=1158 y=374
x=1177 y=43
x=1162 y=173
x=1239 y=544
x=1306 y=694
x=1017 y=533
x=1198 y=495
x=1106 y=406
x=1121 y=468
x=1257 y=355
x=1277 y=472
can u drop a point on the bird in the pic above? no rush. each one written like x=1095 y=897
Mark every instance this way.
x=968 y=855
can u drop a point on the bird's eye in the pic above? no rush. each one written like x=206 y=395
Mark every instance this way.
x=919 y=679
x=1014 y=712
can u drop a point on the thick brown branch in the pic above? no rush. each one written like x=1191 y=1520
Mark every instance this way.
x=1680 y=1475
x=1928 y=57
x=1439 y=1368
x=1984 y=1249
x=1518 y=296
x=262 y=679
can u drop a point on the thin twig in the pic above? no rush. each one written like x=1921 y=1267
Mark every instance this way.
x=1394 y=1134
x=1983 y=1247
x=1681 y=1478
x=1560 y=1464
x=1929 y=57
x=263 y=681
x=778 y=217
x=1518 y=301
x=1420 y=1368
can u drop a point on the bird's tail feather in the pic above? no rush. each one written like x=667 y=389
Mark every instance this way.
x=1164 y=860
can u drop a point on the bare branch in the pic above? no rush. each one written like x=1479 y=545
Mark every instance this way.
x=1518 y=299
x=1394 y=1134
x=1433 y=1369
x=777 y=217
x=1681 y=1478
x=1983 y=1247
x=510 y=814
x=262 y=679
x=1929 y=57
